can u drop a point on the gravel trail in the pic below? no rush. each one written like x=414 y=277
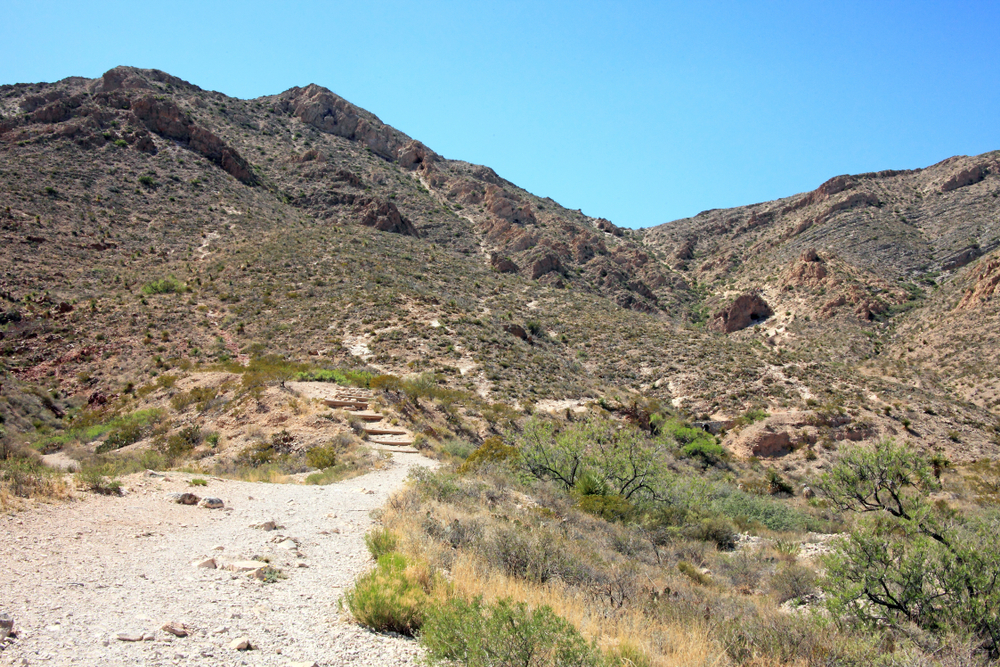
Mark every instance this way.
x=77 y=575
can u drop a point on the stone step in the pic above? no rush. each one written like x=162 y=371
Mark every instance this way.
x=392 y=443
x=368 y=416
x=403 y=449
x=335 y=403
x=384 y=430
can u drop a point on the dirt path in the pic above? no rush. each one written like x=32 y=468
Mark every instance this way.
x=77 y=575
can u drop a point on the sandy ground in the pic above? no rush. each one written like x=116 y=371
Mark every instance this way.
x=76 y=575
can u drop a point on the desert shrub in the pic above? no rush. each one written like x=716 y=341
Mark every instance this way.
x=127 y=430
x=751 y=416
x=792 y=581
x=776 y=484
x=716 y=530
x=200 y=397
x=321 y=457
x=181 y=443
x=611 y=508
x=693 y=573
x=535 y=555
x=99 y=477
x=765 y=511
x=380 y=541
x=389 y=598
x=168 y=285
x=347 y=378
x=503 y=634
x=708 y=452
x=911 y=561
x=458 y=448
x=493 y=450
x=23 y=475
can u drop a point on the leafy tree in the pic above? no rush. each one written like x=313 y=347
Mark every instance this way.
x=909 y=561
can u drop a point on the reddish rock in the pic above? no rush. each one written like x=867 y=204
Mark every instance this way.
x=166 y=119
x=609 y=227
x=545 y=264
x=969 y=176
x=517 y=331
x=502 y=205
x=503 y=264
x=385 y=217
x=748 y=309
x=414 y=154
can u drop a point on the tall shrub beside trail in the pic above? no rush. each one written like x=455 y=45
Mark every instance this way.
x=909 y=561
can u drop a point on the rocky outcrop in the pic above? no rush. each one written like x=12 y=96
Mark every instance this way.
x=810 y=269
x=985 y=285
x=499 y=203
x=167 y=120
x=503 y=264
x=545 y=264
x=385 y=217
x=747 y=310
x=332 y=114
x=415 y=154
x=609 y=227
x=968 y=176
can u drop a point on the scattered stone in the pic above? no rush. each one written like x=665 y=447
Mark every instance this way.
x=177 y=629
x=219 y=630
x=184 y=498
x=245 y=566
x=267 y=525
x=208 y=564
x=302 y=664
x=218 y=548
x=6 y=625
x=129 y=636
x=240 y=644
x=149 y=637
x=807 y=492
x=211 y=503
x=152 y=473
x=288 y=544
x=303 y=565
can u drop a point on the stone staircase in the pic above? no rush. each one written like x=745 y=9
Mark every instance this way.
x=381 y=434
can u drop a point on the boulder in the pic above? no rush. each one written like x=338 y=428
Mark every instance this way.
x=184 y=498
x=503 y=264
x=177 y=629
x=517 y=331
x=546 y=263
x=6 y=625
x=385 y=217
x=212 y=503
x=240 y=644
x=747 y=310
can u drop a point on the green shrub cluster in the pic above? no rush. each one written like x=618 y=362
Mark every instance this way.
x=504 y=634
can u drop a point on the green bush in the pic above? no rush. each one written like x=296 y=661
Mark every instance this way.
x=503 y=634
x=493 y=450
x=321 y=457
x=124 y=431
x=168 y=285
x=380 y=541
x=716 y=530
x=100 y=478
x=792 y=581
x=386 y=599
x=709 y=452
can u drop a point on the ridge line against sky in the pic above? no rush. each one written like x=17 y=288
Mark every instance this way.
x=640 y=112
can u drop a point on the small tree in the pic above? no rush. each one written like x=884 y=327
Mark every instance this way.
x=909 y=561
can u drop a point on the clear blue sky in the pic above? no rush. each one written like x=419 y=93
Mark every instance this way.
x=641 y=112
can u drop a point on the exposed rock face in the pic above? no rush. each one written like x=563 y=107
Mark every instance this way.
x=518 y=331
x=500 y=204
x=985 y=285
x=548 y=262
x=166 y=119
x=385 y=217
x=414 y=154
x=809 y=270
x=968 y=176
x=330 y=113
x=503 y=264
x=748 y=309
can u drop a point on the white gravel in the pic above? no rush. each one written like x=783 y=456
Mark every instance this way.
x=76 y=575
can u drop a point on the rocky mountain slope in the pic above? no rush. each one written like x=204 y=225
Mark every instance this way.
x=148 y=225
